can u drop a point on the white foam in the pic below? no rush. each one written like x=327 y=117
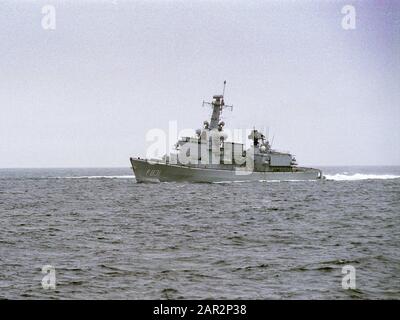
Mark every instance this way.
x=97 y=177
x=244 y=181
x=335 y=177
x=359 y=176
x=231 y=181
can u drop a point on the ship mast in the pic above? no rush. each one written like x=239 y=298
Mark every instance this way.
x=217 y=105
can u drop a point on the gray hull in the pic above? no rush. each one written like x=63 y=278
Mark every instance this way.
x=146 y=171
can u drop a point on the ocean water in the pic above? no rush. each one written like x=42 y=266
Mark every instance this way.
x=110 y=238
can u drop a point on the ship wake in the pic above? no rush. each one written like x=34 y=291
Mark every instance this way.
x=97 y=177
x=360 y=176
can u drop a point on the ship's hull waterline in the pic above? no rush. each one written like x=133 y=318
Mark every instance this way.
x=146 y=171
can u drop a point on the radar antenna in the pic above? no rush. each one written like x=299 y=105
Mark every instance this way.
x=223 y=91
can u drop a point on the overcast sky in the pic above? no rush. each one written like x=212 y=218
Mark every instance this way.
x=86 y=93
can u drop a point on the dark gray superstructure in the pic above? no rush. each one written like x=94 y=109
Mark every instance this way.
x=208 y=157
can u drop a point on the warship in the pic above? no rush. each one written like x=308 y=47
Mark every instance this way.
x=209 y=158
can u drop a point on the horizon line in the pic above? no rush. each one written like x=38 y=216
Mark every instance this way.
x=129 y=167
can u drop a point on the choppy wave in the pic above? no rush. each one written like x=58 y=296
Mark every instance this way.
x=359 y=176
x=91 y=227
